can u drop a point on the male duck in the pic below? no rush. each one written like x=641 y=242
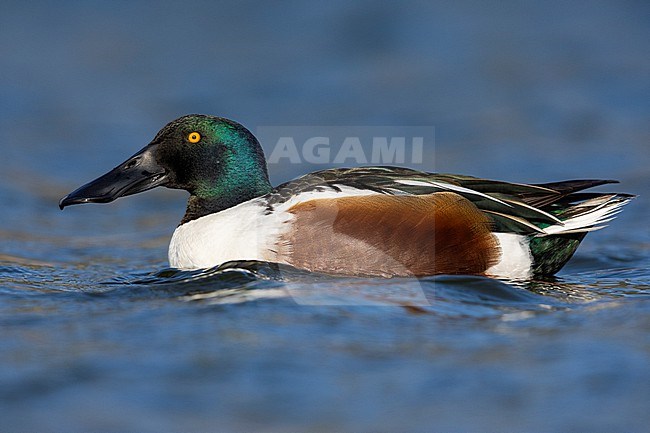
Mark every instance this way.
x=371 y=221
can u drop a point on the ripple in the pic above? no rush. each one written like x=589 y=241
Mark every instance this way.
x=250 y=281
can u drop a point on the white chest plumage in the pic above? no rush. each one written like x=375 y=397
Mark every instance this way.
x=243 y=232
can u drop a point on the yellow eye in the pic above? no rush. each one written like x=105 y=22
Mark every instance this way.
x=194 y=137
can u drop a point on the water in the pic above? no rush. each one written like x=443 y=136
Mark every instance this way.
x=97 y=335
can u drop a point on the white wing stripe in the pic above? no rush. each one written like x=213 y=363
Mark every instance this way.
x=448 y=187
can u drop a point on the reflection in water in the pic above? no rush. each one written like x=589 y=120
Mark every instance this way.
x=237 y=282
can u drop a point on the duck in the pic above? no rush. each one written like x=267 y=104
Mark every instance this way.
x=371 y=221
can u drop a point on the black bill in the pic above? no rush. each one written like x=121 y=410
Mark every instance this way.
x=139 y=173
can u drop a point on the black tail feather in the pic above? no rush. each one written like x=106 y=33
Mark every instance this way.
x=562 y=189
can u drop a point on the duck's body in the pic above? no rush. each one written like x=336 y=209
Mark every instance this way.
x=373 y=221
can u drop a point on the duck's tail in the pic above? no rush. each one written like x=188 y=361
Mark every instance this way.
x=588 y=215
x=584 y=212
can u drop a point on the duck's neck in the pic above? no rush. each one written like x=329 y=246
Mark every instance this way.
x=238 y=189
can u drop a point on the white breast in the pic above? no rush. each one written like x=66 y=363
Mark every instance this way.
x=243 y=232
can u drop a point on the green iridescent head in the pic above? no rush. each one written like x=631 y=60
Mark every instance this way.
x=211 y=156
x=217 y=160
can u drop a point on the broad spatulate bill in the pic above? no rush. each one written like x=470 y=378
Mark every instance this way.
x=365 y=221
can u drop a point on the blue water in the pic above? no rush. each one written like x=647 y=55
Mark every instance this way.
x=98 y=335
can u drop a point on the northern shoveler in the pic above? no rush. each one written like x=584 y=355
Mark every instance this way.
x=371 y=221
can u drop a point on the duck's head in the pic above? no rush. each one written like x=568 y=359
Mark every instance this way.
x=217 y=160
